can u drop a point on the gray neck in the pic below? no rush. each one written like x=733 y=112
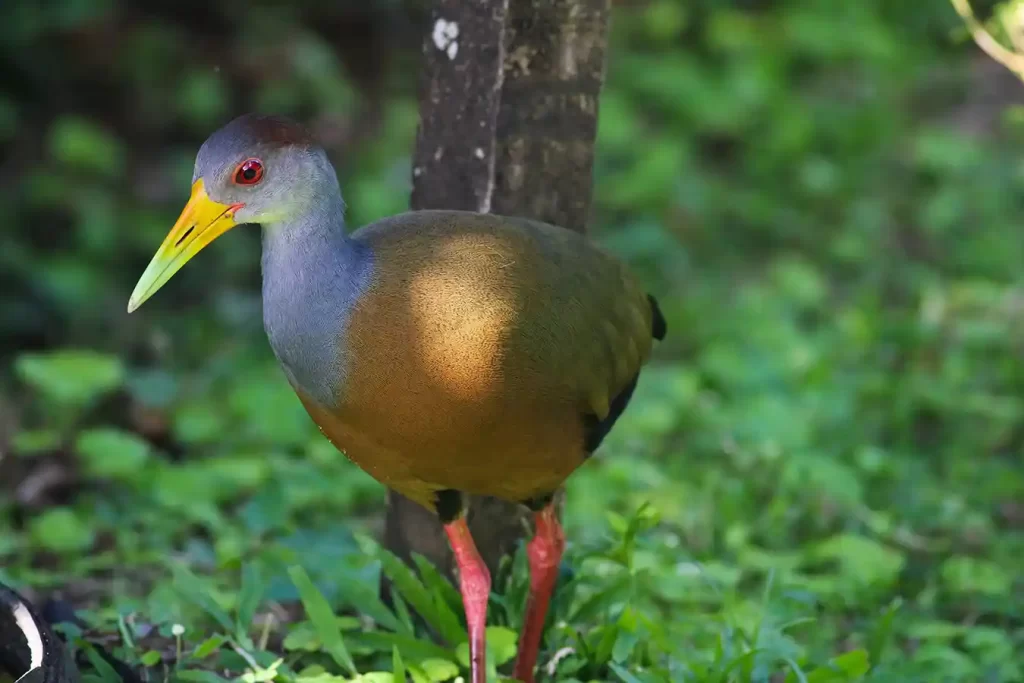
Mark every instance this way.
x=312 y=276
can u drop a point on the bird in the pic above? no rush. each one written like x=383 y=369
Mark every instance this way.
x=447 y=353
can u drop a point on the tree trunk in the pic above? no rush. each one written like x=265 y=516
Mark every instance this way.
x=508 y=116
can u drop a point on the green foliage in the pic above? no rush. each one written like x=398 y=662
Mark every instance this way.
x=70 y=377
x=79 y=144
x=320 y=613
x=818 y=479
x=111 y=453
x=61 y=530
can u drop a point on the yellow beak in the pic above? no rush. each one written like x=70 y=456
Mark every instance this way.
x=201 y=222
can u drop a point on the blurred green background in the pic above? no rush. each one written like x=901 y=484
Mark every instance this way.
x=825 y=196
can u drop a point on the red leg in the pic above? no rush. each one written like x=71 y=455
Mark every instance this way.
x=475 y=584
x=545 y=552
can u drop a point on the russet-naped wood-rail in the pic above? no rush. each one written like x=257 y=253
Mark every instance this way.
x=444 y=352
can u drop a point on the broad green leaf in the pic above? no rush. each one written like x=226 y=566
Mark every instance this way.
x=80 y=143
x=624 y=645
x=438 y=670
x=62 y=530
x=112 y=453
x=73 y=377
x=854 y=663
x=209 y=646
x=302 y=637
x=198 y=422
x=376 y=677
x=202 y=97
x=150 y=658
x=863 y=559
x=501 y=644
x=35 y=441
x=962 y=574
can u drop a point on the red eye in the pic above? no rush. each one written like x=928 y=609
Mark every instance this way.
x=249 y=172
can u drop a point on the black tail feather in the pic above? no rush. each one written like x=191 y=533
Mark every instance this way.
x=658 y=327
x=595 y=429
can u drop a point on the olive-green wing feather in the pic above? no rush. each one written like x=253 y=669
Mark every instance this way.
x=592 y=320
x=579 y=325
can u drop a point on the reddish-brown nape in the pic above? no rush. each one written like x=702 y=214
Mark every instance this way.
x=273 y=130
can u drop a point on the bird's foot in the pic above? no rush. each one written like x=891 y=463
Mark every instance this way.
x=544 y=552
x=475 y=585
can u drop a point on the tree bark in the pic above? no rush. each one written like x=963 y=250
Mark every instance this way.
x=508 y=117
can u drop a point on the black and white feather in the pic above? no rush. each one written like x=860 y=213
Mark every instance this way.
x=30 y=652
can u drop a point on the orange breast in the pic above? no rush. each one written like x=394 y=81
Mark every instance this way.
x=439 y=390
x=457 y=450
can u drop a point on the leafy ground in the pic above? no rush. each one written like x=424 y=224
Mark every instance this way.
x=819 y=478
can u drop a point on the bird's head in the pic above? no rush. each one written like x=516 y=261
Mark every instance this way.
x=256 y=169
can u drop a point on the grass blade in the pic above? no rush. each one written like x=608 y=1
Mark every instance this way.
x=363 y=598
x=102 y=666
x=249 y=597
x=881 y=635
x=413 y=648
x=624 y=674
x=192 y=589
x=435 y=582
x=435 y=612
x=322 y=616
x=397 y=665
x=402 y=610
x=197 y=676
